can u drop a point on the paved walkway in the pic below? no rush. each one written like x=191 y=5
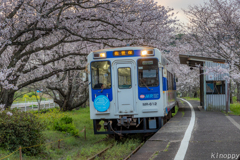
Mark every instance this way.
x=214 y=136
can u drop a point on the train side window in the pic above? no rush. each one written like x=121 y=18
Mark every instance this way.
x=215 y=87
x=170 y=80
x=124 y=78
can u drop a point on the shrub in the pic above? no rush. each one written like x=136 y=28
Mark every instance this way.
x=65 y=125
x=21 y=129
x=67 y=120
x=49 y=116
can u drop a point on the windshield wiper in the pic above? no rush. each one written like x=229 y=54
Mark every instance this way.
x=102 y=87
x=144 y=84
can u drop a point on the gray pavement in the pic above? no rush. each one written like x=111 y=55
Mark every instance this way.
x=213 y=137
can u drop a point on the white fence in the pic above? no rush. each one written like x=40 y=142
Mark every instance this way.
x=34 y=105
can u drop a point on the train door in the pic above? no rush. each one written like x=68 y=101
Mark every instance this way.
x=125 y=87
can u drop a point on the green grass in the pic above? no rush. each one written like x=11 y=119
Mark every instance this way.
x=154 y=155
x=183 y=113
x=191 y=98
x=234 y=99
x=77 y=148
x=181 y=101
x=166 y=149
x=235 y=108
x=176 y=110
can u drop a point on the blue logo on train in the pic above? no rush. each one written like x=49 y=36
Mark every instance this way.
x=101 y=103
x=148 y=96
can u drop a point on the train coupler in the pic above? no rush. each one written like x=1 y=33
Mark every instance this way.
x=127 y=121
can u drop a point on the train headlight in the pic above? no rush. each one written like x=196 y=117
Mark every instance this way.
x=102 y=55
x=99 y=55
x=147 y=53
x=144 y=53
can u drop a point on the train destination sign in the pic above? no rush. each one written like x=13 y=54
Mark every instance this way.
x=147 y=62
x=123 y=53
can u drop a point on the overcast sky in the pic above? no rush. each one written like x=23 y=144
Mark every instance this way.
x=178 y=5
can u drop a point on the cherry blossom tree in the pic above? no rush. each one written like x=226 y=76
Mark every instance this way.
x=67 y=87
x=37 y=38
x=214 y=31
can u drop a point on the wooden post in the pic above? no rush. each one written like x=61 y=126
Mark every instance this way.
x=85 y=133
x=58 y=143
x=20 y=152
x=25 y=105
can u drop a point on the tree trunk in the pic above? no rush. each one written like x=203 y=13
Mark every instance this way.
x=231 y=99
x=195 y=94
x=7 y=98
x=230 y=92
x=184 y=94
x=238 y=92
x=39 y=105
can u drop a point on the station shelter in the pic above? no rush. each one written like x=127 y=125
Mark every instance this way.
x=214 y=93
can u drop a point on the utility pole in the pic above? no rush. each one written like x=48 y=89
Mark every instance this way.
x=227 y=100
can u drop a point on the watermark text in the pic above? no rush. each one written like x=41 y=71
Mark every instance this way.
x=224 y=156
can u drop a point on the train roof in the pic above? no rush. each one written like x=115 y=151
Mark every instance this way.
x=124 y=48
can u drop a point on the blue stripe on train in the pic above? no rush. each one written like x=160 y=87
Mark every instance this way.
x=165 y=88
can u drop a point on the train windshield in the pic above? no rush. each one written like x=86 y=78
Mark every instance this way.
x=101 y=74
x=148 y=72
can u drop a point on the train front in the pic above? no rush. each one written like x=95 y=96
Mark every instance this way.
x=124 y=90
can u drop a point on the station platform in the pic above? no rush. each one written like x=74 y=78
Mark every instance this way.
x=214 y=136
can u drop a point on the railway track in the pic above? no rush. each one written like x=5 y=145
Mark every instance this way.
x=99 y=154
x=135 y=150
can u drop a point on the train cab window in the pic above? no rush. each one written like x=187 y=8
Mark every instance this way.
x=148 y=72
x=124 y=78
x=101 y=74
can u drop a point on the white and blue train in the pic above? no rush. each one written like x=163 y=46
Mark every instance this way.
x=131 y=90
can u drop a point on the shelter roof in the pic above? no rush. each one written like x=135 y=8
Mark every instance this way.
x=192 y=61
